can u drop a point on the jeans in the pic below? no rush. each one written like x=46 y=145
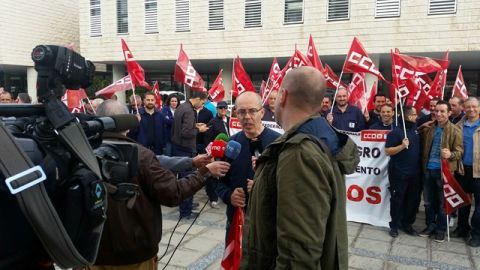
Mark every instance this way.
x=466 y=182
x=476 y=213
x=187 y=205
x=404 y=200
x=435 y=216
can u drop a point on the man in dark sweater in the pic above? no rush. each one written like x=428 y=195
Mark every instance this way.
x=184 y=137
x=232 y=189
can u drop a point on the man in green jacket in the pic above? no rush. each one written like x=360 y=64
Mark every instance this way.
x=297 y=216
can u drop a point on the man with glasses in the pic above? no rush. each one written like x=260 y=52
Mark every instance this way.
x=232 y=188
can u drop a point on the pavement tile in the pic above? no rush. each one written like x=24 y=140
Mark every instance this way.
x=167 y=225
x=213 y=217
x=410 y=251
x=372 y=245
x=405 y=239
x=366 y=263
x=201 y=244
x=175 y=238
x=195 y=229
x=215 y=234
x=454 y=247
x=182 y=258
x=380 y=234
x=352 y=231
x=450 y=258
x=397 y=266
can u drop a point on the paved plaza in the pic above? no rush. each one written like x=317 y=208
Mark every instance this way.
x=369 y=247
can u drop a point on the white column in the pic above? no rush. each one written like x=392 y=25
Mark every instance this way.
x=118 y=72
x=32 y=83
x=227 y=78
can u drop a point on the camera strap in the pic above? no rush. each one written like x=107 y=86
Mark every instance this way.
x=25 y=181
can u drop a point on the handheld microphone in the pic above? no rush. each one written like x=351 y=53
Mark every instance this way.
x=256 y=148
x=222 y=137
x=232 y=151
x=218 y=149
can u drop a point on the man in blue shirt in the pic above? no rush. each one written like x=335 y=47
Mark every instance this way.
x=344 y=116
x=386 y=119
x=403 y=173
x=232 y=189
x=470 y=179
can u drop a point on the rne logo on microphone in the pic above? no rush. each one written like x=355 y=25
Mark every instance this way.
x=374 y=135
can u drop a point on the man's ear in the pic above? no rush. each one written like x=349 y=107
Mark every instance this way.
x=283 y=98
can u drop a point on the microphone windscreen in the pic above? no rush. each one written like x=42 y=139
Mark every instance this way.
x=125 y=121
x=218 y=149
x=222 y=136
x=232 y=151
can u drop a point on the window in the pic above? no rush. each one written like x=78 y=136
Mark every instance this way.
x=436 y=7
x=182 y=15
x=338 y=10
x=293 y=11
x=95 y=18
x=387 y=8
x=151 y=16
x=215 y=15
x=122 y=17
x=253 y=13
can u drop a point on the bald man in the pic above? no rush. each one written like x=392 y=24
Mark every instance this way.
x=254 y=137
x=297 y=216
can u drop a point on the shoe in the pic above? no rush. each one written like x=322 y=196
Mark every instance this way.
x=410 y=231
x=214 y=204
x=195 y=205
x=427 y=232
x=439 y=237
x=393 y=233
x=474 y=242
x=459 y=233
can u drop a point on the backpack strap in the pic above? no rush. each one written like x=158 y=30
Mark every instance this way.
x=25 y=181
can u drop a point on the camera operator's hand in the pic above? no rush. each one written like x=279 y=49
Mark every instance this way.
x=249 y=185
x=218 y=168
x=201 y=160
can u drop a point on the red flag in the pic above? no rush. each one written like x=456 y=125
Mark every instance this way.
x=312 y=55
x=357 y=89
x=371 y=99
x=217 y=91
x=454 y=195
x=358 y=61
x=233 y=249
x=274 y=76
x=74 y=99
x=297 y=60
x=459 y=88
x=158 y=96
x=407 y=66
x=186 y=74
x=136 y=72
x=438 y=84
x=240 y=80
x=263 y=89
x=121 y=85
x=331 y=78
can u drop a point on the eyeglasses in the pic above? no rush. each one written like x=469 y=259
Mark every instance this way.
x=221 y=108
x=251 y=112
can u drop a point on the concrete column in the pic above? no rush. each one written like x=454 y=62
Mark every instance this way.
x=32 y=83
x=227 y=79
x=118 y=72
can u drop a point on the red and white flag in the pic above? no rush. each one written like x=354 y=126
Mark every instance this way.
x=297 y=60
x=136 y=72
x=240 y=80
x=332 y=78
x=358 y=61
x=233 y=248
x=312 y=55
x=74 y=100
x=407 y=66
x=357 y=91
x=158 y=96
x=123 y=84
x=459 y=88
x=371 y=99
x=217 y=91
x=438 y=84
x=186 y=74
x=274 y=76
x=263 y=89
x=455 y=196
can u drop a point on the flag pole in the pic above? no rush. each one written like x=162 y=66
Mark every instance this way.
x=134 y=96
x=448 y=229
x=403 y=118
x=338 y=84
x=91 y=106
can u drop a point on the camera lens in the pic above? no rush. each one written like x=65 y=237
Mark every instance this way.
x=39 y=53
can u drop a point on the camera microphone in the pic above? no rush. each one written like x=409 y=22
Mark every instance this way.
x=115 y=123
x=218 y=150
x=232 y=151
x=222 y=136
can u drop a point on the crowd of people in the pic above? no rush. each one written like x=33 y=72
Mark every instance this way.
x=284 y=177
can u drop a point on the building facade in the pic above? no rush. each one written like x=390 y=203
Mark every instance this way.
x=25 y=24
